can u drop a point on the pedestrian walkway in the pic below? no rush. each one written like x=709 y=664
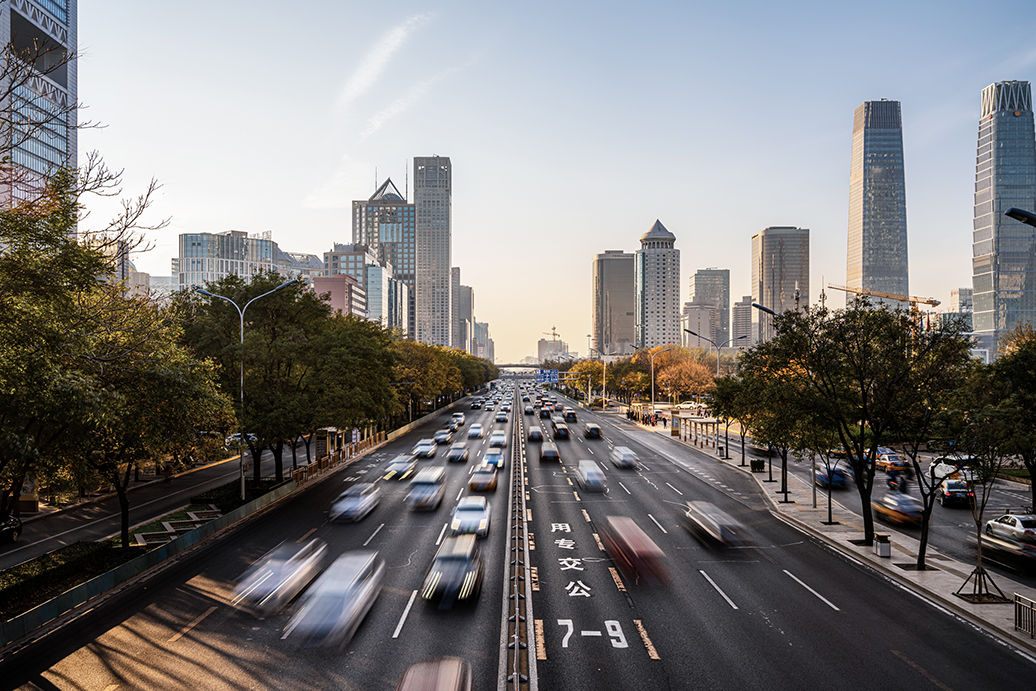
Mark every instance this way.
x=938 y=583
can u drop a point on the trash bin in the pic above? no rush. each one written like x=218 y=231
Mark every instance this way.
x=882 y=545
x=719 y=451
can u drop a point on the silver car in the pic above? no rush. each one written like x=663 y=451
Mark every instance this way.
x=356 y=502
x=278 y=576
x=334 y=607
x=471 y=516
x=623 y=457
x=1013 y=528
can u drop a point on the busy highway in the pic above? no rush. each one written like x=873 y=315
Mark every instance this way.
x=772 y=608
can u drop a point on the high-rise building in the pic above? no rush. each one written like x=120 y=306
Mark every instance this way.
x=466 y=318
x=343 y=292
x=712 y=287
x=205 y=257
x=41 y=92
x=550 y=349
x=386 y=224
x=1003 y=256
x=877 y=248
x=961 y=300
x=614 y=313
x=741 y=323
x=780 y=275
x=480 y=339
x=701 y=319
x=657 y=289
x=433 y=185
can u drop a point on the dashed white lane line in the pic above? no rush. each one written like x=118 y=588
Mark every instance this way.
x=821 y=597
x=658 y=524
x=718 y=589
x=441 y=533
x=406 y=611
x=675 y=490
x=624 y=487
x=373 y=534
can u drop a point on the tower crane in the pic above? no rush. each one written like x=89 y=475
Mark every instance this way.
x=912 y=300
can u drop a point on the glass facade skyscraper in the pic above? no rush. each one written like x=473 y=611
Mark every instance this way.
x=433 y=186
x=712 y=287
x=613 y=317
x=780 y=275
x=1004 y=250
x=877 y=248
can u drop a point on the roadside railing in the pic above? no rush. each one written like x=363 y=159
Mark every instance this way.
x=1025 y=615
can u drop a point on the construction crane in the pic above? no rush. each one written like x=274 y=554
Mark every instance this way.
x=553 y=333
x=912 y=300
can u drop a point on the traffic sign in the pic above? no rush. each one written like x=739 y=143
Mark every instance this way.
x=547 y=376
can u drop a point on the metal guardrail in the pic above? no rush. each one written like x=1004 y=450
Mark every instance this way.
x=1025 y=615
x=518 y=553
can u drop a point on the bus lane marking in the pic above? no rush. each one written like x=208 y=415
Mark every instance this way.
x=652 y=653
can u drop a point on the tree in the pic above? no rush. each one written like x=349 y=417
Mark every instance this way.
x=1015 y=375
x=736 y=398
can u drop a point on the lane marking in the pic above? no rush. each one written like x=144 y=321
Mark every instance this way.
x=441 y=533
x=306 y=535
x=824 y=599
x=652 y=653
x=576 y=495
x=585 y=515
x=541 y=648
x=718 y=589
x=675 y=490
x=618 y=580
x=373 y=534
x=600 y=544
x=590 y=633
x=658 y=524
x=624 y=487
x=406 y=611
x=528 y=514
x=190 y=626
x=569 y=480
x=460 y=492
x=920 y=670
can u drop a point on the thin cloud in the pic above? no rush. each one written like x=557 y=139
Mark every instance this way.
x=404 y=102
x=339 y=191
x=377 y=58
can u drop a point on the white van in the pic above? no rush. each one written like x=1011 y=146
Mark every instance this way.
x=590 y=477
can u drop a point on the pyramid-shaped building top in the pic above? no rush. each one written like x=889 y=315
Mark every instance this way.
x=657 y=232
x=387 y=192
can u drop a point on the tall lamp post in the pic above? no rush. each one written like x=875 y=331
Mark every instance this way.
x=652 y=356
x=241 y=313
x=719 y=348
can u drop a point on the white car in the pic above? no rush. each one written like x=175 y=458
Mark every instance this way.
x=425 y=448
x=278 y=576
x=356 y=502
x=951 y=469
x=471 y=517
x=475 y=431
x=333 y=608
x=498 y=438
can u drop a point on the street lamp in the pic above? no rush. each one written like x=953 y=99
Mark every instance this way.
x=241 y=313
x=604 y=381
x=717 y=347
x=652 y=356
x=1026 y=217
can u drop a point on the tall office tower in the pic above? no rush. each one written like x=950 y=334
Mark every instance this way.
x=961 y=300
x=40 y=86
x=433 y=185
x=613 y=317
x=550 y=349
x=657 y=289
x=877 y=255
x=456 y=337
x=480 y=339
x=1004 y=260
x=207 y=257
x=780 y=275
x=386 y=224
x=741 y=323
x=712 y=287
x=701 y=319
x=466 y=318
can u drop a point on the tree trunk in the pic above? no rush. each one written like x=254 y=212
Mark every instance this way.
x=257 y=455
x=120 y=491
x=278 y=460
x=294 y=454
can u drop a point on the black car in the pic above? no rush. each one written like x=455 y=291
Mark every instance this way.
x=535 y=434
x=545 y=412
x=592 y=430
x=456 y=573
x=10 y=529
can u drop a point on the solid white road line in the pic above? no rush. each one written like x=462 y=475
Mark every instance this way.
x=406 y=611
x=441 y=533
x=624 y=487
x=675 y=490
x=824 y=599
x=718 y=590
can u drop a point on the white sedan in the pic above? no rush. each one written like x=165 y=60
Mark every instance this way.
x=475 y=431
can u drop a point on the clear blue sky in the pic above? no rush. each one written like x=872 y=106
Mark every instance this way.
x=571 y=127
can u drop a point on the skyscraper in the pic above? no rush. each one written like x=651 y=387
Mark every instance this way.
x=205 y=257
x=877 y=249
x=657 y=289
x=741 y=322
x=433 y=185
x=1004 y=251
x=613 y=317
x=466 y=318
x=780 y=274
x=712 y=287
x=38 y=111
x=385 y=224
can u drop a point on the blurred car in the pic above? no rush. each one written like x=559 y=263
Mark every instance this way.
x=232 y=441
x=633 y=551
x=570 y=415
x=838 y=478
x=425 y=448
x=441 y=674
x=713 y=526
x=459 y=417
x=335 y=606
x=490 y=406
x=471 y=516
x=456 y=572
x=427 y=489
x=10 y=529
x=494 y=457
x=400 y=467
x=458 y=452
x=561 y=431
x=443 y=436
x=356 y=502
x=278 y=576
x=498 y=438
x=545 y=412
x=898 y=507
x=590 y=477
x=483 y=479
x=535 y=434
x=953 y=492
x=951 y=469
x=549 y=452
x=592 y=430
x=475 y=431
x=1013 y=528
x=505 y=408
x=529 y=410
x=501 y=416
x=623 y=457
x=476 y=405
x=891 y=461
x=453 y=424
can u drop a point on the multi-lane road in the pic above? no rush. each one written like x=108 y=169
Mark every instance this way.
x=785 y=613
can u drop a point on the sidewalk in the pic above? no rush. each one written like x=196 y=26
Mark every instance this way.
x=943 y=577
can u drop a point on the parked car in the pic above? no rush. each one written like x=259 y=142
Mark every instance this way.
x=475 y=431
x=456 y=572
x=356 y=502
x=278 y=576
x=898 y=507
x=10 y=529
x=1013 y=528
x=623 y=457
x=335 y=606
x=425 y=448
x=471 y=516
x=592 y=430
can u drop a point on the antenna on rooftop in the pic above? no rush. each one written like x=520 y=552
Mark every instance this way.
x=375 y=178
